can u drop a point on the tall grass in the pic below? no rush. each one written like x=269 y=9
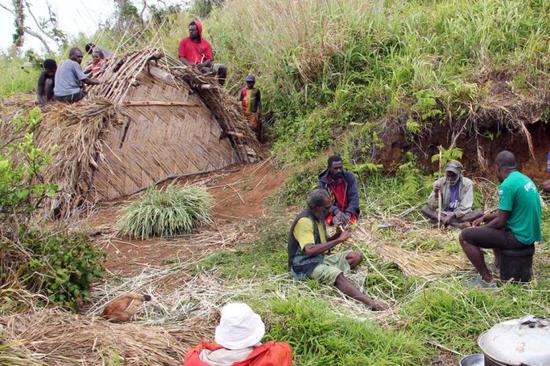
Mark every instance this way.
x=175 y=211
x=323 y=65
x=16 y=76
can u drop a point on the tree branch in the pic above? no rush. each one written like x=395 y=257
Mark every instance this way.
x=39 y=25
x=7 y=9
x=30 y=32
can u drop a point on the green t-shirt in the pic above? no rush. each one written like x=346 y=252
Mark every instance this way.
x=518 y=194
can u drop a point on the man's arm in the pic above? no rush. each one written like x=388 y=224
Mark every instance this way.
x=498 y=220
x=184 y=61
x=258 y=107
x=316 y=249
x=465 y=205
x=89 y=81
x=40 y=90
x=353 y=196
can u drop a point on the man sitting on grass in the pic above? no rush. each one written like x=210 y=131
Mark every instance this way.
x=238 y=339
x=343 y=188
x=515 y=225
x=308 y=247
x=457 y=198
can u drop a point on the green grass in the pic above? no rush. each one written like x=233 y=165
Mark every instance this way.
x=318 y=337
x=174 y=211
x=17 y=76
x=429 y=314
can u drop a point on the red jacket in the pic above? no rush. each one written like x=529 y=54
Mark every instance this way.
x=268 y=354
x=196 y=53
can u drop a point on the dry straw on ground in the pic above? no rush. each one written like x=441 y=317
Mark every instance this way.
x=52 y=337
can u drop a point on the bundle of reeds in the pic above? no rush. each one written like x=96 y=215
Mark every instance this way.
x=75 y=132
x=413 y=263
x=54 y=337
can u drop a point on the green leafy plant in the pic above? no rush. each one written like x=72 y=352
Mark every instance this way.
x=61 y=266
x=22 y=164
x=175 y=211
x=452 y=153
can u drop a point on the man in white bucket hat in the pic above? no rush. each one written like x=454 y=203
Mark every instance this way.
x=238 y=338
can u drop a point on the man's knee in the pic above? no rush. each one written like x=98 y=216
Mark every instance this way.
x=428 y=212
x=354 y=258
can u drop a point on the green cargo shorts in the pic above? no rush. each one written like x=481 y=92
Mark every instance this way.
x=331 y=268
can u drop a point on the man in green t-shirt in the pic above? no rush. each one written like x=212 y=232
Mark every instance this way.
x=515 y=225
x=309 y=247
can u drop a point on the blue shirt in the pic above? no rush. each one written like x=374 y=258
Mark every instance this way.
x=454 y=197
x=67 y=78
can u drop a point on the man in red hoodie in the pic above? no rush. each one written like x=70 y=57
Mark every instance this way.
x=197 y=51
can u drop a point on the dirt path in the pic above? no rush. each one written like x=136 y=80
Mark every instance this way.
x=239 y=194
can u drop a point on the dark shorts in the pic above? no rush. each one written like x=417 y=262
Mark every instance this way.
x=71 y=98
x=492 y=238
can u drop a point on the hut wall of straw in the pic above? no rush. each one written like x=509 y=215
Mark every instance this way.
x=166 y=130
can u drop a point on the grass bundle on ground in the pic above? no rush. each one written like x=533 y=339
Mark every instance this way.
x=174 y=211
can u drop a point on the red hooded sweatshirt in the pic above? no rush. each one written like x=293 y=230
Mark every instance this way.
x=196 y=53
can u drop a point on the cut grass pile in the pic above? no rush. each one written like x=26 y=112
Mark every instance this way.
x=174 y=211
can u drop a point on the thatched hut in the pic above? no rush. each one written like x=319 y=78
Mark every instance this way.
x=150 y=119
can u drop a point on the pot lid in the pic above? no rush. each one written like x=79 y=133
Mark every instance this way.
x=518 y=341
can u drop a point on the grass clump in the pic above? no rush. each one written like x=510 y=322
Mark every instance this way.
x=174 y=211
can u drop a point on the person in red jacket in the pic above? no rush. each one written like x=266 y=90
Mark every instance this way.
x=197 y=51
x=238 y=339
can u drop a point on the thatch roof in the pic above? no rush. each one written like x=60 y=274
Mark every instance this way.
x=182 y=122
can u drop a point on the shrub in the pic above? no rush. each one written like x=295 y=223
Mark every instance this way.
x=61 y=266
x=175 y=211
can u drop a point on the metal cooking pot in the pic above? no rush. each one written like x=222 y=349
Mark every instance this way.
x=517 y=342
x=473 y=360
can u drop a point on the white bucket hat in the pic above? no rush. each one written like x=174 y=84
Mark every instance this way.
x=240 y=327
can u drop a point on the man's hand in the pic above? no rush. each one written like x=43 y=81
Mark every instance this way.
x=446 y=218
x=478 y=221
x=338 y=218
x=344 y=235
x=437 y=188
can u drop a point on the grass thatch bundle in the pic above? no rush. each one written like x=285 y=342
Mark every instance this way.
x=53 y=337
x=174 y=211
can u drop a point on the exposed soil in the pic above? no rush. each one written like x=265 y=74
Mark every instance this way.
x=239 y=194
x=492 y=127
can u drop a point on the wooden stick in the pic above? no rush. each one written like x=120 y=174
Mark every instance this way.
x=134 y=103
x=439 y=198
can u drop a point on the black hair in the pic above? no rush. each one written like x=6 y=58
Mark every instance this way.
x=505 y=159
x=49 y=64
x=100 y=52
x=89 y=48
x=317 y=198
x=73 y=50
x=333 y=159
